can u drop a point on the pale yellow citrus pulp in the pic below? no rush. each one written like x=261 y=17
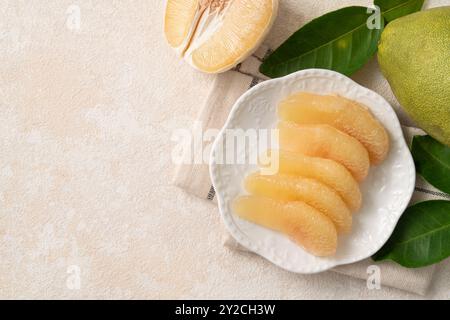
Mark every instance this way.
x=216 y=35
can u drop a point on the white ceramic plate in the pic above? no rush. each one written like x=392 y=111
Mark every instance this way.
x=386 y=191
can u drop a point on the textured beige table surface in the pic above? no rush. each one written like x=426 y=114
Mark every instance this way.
x=87 y=111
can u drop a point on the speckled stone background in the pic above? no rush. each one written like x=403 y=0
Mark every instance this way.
x=87 y=111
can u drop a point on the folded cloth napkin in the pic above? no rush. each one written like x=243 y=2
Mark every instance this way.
x=194 y=177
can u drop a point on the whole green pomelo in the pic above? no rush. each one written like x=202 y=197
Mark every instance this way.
x=414 y=55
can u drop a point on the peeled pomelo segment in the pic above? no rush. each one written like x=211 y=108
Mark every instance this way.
x=326 y=171
x=346 y=115
x=325 y=141
x=180 y=16
x=309 y=191
x=305 y=225
x=216 y=35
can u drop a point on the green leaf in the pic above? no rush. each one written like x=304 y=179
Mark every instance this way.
x=432 y=160
x=422 y=236
x=393 y=9
x=339 y=40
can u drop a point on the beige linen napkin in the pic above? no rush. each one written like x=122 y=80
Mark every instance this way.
x=194 y=178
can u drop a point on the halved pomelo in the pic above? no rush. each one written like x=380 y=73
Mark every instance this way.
x=216 y=35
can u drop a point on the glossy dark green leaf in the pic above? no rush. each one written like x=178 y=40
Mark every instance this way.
x=340 y=40
x=393 y=9
x=432 y=160
x=422 y=236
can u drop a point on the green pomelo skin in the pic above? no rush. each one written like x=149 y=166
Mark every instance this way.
x=414 y=55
